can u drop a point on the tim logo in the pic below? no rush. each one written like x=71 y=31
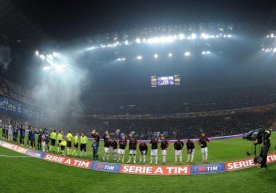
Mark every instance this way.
x=208 y=168
x=100 y=166
x=36 y=154
x=106 y=167
x=202 y=169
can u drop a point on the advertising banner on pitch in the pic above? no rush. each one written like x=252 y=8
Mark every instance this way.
x=68 y=161
x=155 y=170
x=35 y=153
x=106 y=167
x=207 y=168
x=247 y=163
x=14 y=147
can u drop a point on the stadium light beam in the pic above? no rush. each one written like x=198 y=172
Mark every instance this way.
x=46 y=68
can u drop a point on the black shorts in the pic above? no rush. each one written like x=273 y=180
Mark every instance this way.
x=59 y=141
x=76 y=145
x=69 y=144
x=53 y=142
x=83 y=147
x=62 y=148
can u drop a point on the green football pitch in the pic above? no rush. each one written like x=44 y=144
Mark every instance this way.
x=26 y=174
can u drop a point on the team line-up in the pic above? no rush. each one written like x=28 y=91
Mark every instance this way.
x=116 y=145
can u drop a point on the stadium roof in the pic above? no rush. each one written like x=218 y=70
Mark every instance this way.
x=29 y=25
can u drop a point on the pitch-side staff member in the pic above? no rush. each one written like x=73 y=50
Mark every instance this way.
x=265 y=147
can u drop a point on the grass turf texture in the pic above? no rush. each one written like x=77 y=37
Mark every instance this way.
x=34 y=175
x=218 y=151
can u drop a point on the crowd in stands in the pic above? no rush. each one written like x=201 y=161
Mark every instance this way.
x=168 y=101
x=230 y=124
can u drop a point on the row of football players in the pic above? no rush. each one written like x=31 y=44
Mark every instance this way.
x=117 y=149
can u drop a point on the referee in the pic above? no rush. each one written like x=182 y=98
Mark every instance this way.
x=83 y=142
x=53 y=137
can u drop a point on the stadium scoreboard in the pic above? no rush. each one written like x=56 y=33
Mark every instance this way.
x=157 y=81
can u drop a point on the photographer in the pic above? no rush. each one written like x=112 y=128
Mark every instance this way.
x=265 y=147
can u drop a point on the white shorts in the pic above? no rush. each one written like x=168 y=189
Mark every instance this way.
x=132 y=152
x=106 y=149
x=164 y=152
x=114 y=151
x=192 y=152
x=154 y=152
x=204 y=150
x=178 y=152
x=143 y=152
x=121 y=151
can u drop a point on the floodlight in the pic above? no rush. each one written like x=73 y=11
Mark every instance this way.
x=138 y=41
x=155 y=56
x=204 y=36
x=181 y=36
x=91 y=48
x=121 y=59
x=50 y=56
x=42 y=56
x=193 y=36
x=139 y=57
x=187 y=53
x=170 y=55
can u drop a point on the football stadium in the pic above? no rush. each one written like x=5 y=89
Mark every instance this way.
x=137 y=96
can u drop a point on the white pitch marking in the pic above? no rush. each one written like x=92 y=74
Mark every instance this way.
x=13 y=155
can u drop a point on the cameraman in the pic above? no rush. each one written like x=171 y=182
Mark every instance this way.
x=265 y=147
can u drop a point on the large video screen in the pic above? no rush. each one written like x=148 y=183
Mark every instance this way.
x=157 y=81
